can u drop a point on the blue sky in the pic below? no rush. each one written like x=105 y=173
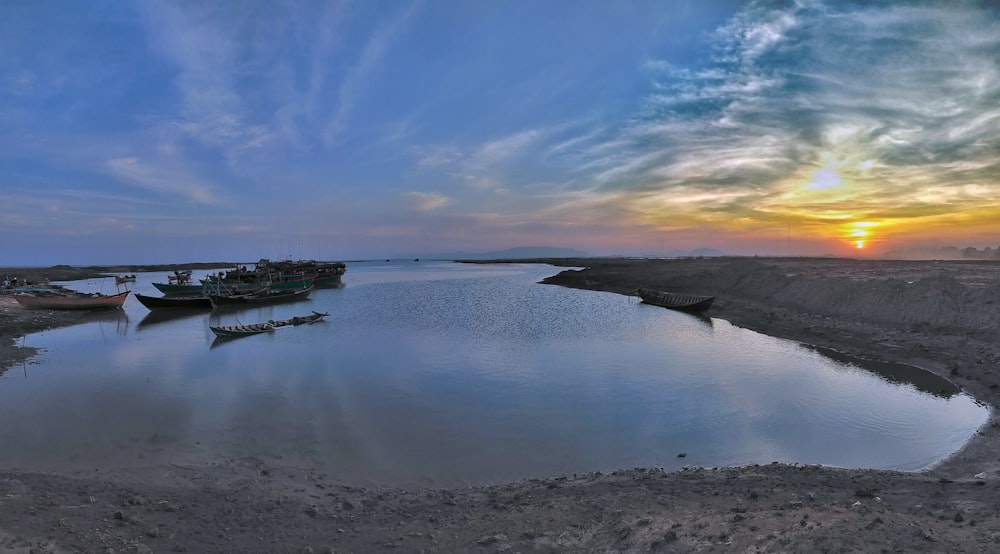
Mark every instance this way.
x=196 y=131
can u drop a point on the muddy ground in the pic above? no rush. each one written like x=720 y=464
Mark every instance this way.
x=941 y=316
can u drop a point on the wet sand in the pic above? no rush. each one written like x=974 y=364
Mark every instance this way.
x=937 y=316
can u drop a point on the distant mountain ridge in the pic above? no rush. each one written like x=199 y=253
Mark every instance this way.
x=510 y=253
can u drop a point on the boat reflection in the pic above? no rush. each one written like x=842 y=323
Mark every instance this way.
x=156 y=317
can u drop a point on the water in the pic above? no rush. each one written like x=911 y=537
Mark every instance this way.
x=442 y=374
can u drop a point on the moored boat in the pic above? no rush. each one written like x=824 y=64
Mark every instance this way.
x=229 y=331
x=179 y=284
x=232 y=331
x=683 y=302
x=264 y=296
x=70 y=300
x=186 y=302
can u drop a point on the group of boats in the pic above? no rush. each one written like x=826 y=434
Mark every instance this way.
x=266 y=283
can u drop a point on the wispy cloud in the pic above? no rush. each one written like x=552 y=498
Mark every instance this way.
x=354 y=83
x=160 y=179
x=875 y=102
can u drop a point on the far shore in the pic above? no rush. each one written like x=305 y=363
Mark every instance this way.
x=930 y=323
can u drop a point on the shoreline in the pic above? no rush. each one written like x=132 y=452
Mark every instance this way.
x=931 y=315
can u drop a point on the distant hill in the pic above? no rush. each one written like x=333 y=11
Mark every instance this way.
x=510 y=253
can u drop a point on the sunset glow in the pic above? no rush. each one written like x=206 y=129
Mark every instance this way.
x=205 y=131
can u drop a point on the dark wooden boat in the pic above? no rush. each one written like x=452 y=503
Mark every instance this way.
x=182 y=302
x=70 y=300
x=265 y=296
x=233 y=331
x=683 y=302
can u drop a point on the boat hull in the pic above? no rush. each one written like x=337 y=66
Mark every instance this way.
x=270 y=296
x=168 y=288
x=168 y=302
x=71 y=301
x=232 y=331
x=682 y=302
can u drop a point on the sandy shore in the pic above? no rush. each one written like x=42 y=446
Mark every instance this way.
x=940 y=316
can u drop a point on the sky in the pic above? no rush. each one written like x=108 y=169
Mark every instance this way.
x=168 y=132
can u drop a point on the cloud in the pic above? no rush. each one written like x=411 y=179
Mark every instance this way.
x=425 y=202
x=162 y=180
x=875 y=100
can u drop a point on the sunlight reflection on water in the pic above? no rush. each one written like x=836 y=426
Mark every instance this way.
x=443 y=374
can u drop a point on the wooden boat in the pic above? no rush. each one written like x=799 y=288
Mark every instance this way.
x=683 y=302
x=122 y=279
x=180 y=284
x=70 y=300
x=264 y=296
x=323 y=274
x=185 y=302
x=232 y=331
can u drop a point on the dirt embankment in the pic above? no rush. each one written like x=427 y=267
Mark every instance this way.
x=939 y=316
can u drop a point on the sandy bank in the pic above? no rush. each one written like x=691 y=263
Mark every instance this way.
x=939 y=316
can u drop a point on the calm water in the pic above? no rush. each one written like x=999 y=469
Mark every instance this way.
x=444 y=374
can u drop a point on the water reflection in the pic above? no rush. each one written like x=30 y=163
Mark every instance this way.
x=445 y=374
x=921 y=379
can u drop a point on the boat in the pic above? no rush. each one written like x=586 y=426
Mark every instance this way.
x=180 y=284
x=266 y=295
x=323 y=274
x=186 y=302
x=122 y=279
x=683 y=302
x=229 y=331
x=232 y=331
x=263 y=274
x=70 y=300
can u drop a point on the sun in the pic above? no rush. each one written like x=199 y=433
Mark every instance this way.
x=858 y=233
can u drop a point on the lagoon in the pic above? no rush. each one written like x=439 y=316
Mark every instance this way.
x=443 y=374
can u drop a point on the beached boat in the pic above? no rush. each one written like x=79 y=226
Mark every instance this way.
x=70 y=300
x=231 y=331
x=264 y=296
x=169 y=302
x=683 y=302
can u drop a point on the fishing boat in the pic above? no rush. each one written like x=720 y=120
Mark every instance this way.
x=122 y=279
x=683 y=302
x=70 y=300
x=180 y=284
x=232 y=331
x=266 y=295
x=323 y=274
x=182 y=302
x=264 y=273
x=229 y=331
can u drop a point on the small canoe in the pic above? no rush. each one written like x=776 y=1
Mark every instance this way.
x=241 y=330
x=71 y=300
x=299 y=320
x=231 y=331
x=683 y=302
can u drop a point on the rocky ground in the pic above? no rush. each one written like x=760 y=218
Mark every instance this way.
x=937 y=315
